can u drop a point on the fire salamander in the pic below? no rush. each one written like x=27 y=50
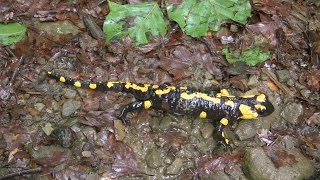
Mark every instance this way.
x=222 y=107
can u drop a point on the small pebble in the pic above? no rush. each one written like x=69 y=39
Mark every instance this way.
x=70 y=93
x=70 y=107
x=39 y=106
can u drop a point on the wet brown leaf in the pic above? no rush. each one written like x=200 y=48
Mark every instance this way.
x=272 y=7
x=179 y=63
x=312 y=140
x=209 y=165
x=173 y=138
x=280 y=157
x=267 y=30
x=313 y=119
x=126 y=162
x=92 y=103
x=237 y=82
x=54 y=159
x=15 y=137
x=313 y=80
x=312 y=147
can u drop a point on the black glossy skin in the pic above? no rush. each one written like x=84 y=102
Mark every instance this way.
x=179 y=100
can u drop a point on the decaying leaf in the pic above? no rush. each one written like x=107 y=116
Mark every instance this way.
x=280 y=157
x=126 y=162
x=210 y=165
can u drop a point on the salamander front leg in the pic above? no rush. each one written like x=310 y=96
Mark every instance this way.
x=138 y=105
x=221 y=135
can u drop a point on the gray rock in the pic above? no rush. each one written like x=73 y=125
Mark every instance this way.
x=166 y=122
x=245 y=130
x=283 y=75
x=291 y=112
x=253 y=81
x=39 y=106
x=70 y=93
x=207 y=130
x=153 y=158
x=303 y=169
x=41 y=60
x=259 y=165
x=69 y=107
x=175 y=167
x=305 y=93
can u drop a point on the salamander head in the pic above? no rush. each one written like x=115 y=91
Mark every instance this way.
x=255 y=106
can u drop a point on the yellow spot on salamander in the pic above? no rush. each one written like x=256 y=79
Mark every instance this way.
x=147 y=104
x=92 y=86
x=224 y=121
x=77 y=84
x=62 y=79
x=143 y=88
x=183 y=87
x=200 y=95
x=247 y=112
x=229 y=103
x=261 y=98
x=165 y=91
x=224 y=93
x=49 y=72
x=155 y=86
x=203 y=115
x=260 y=107
x=110 y=84
x=247 y=96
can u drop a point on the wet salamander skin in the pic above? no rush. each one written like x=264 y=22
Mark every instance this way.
x=222 y=107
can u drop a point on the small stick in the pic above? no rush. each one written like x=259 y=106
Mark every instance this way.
x=283 y=87
x=21 y=173
x=14 y=75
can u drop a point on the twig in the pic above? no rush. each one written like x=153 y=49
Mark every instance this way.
x=14 y=75
x=21 y=173
x=274 y=79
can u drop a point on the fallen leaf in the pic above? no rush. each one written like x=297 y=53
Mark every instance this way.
x=12 y=153
x=280 y=157
x=210 y=165
x=313 y=80
x=237 y=82
x=126 y=162
x=272 y=86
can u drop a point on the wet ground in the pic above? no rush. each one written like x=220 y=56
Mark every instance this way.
x=61 y=132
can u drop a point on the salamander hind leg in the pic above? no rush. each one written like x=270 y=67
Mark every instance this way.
x=138 y=105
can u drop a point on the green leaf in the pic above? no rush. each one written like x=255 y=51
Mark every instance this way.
x=148 y=19
x=250 y=56
x=196 y=18
x=11 y=33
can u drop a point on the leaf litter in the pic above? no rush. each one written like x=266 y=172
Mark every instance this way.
x=288 y=30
